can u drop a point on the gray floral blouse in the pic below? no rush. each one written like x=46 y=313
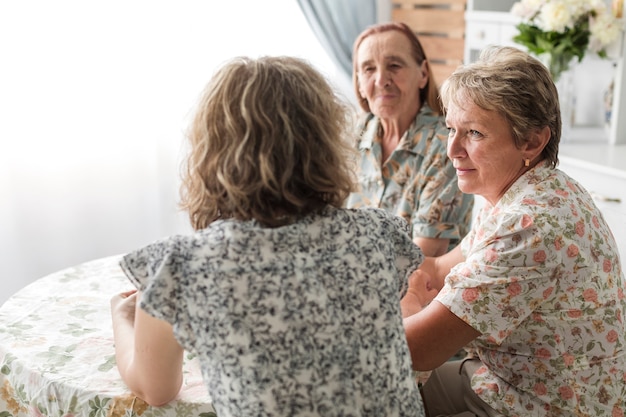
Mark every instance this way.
x=300 y=320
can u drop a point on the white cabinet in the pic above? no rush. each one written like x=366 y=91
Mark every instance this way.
x=485 y=28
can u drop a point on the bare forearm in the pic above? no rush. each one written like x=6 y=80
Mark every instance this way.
x=148 y=356
x=124 y=339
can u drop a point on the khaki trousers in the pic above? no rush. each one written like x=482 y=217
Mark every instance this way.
x=448 y=393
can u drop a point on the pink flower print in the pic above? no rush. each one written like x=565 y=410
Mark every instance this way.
x=529 y=202
x=571 y=186
x=558 y=242
x=568 y=359
x=470 y=295
x=493 y=387
x=561 y=192
x=612 y=336
x=566 y=393
x=595 y=221
x=547 y=292
x=580 y=228
x=617 y=411
x=514 y=289
x=606 y=265
x=574 y=314
x=543 y=353
x=481 y=370
x=572 y=251
x=466 y=272
x=590 y=295
x=540 y=256
x=620 y=294
x=540 y=389
x=527 y=221
x=491 y=255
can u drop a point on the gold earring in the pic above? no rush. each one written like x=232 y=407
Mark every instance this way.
x=526 y=162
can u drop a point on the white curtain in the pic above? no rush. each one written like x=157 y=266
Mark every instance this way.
x=337 y=25
x=94 y=100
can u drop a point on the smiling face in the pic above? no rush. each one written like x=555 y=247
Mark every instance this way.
x=389 y=78
x=483 y=151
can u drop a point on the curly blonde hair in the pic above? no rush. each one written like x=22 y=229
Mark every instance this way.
x=269 y=141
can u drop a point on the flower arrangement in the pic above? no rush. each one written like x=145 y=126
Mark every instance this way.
x=558 y=31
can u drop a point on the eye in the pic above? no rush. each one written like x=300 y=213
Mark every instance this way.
x=474 y=133
x=451 y=131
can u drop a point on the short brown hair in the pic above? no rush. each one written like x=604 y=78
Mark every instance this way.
x=268 y=142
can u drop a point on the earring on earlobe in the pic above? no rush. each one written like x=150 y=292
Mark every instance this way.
x=526 y=162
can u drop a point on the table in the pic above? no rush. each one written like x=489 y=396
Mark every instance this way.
x=57 y=356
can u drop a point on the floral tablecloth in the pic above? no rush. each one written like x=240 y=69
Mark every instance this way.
x=57 y=355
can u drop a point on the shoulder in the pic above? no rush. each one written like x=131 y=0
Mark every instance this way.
x=382 y=219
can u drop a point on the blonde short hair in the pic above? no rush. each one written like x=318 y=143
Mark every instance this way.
x=269 y=142
x=517 y=86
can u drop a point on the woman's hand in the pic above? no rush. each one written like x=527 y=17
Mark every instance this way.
x=123 y=306
x=419 y=294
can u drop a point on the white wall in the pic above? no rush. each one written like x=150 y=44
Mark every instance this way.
x=94 y=98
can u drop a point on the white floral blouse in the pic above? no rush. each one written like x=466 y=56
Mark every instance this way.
x=300 y=320
x=542 y=282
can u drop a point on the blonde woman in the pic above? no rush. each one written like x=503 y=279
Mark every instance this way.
x=290 y=302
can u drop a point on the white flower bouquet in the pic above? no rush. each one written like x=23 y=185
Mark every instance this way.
x=561 y=30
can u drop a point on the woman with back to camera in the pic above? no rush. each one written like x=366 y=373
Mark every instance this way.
x=535 y=291
x=290 y=302
x=403 y=164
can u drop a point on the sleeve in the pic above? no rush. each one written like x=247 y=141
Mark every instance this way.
x=407 y=255
x=443 y=210
x=156 y=270
x=505 y=277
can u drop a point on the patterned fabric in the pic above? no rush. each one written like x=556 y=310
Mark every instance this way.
x=57 y=356
x=542 y=282
x=418 y=181
x=300 y=320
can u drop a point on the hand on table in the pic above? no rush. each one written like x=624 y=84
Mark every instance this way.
x=123 y=305
x=419 y=294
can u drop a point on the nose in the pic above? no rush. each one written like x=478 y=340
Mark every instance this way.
x=454 y=146
x=383 y=78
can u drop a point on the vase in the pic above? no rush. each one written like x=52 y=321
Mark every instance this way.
x=562 y=69
x=567 y=103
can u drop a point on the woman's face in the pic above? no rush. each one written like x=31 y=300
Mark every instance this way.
x=482 y=150
x=388 y=76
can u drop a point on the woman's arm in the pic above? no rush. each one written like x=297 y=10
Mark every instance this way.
x=432 y=246
x=434 y=335
x=427 y=281
x=148 y=357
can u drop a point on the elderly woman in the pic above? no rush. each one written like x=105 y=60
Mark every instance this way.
x=403 y=165
x=535 y=291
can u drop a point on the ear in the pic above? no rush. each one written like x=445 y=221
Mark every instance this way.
x=423 y=69
x=537 y=141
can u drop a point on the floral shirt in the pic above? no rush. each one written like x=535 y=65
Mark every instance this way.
x=300 y=320
x=542 y=282
x=417 y=182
